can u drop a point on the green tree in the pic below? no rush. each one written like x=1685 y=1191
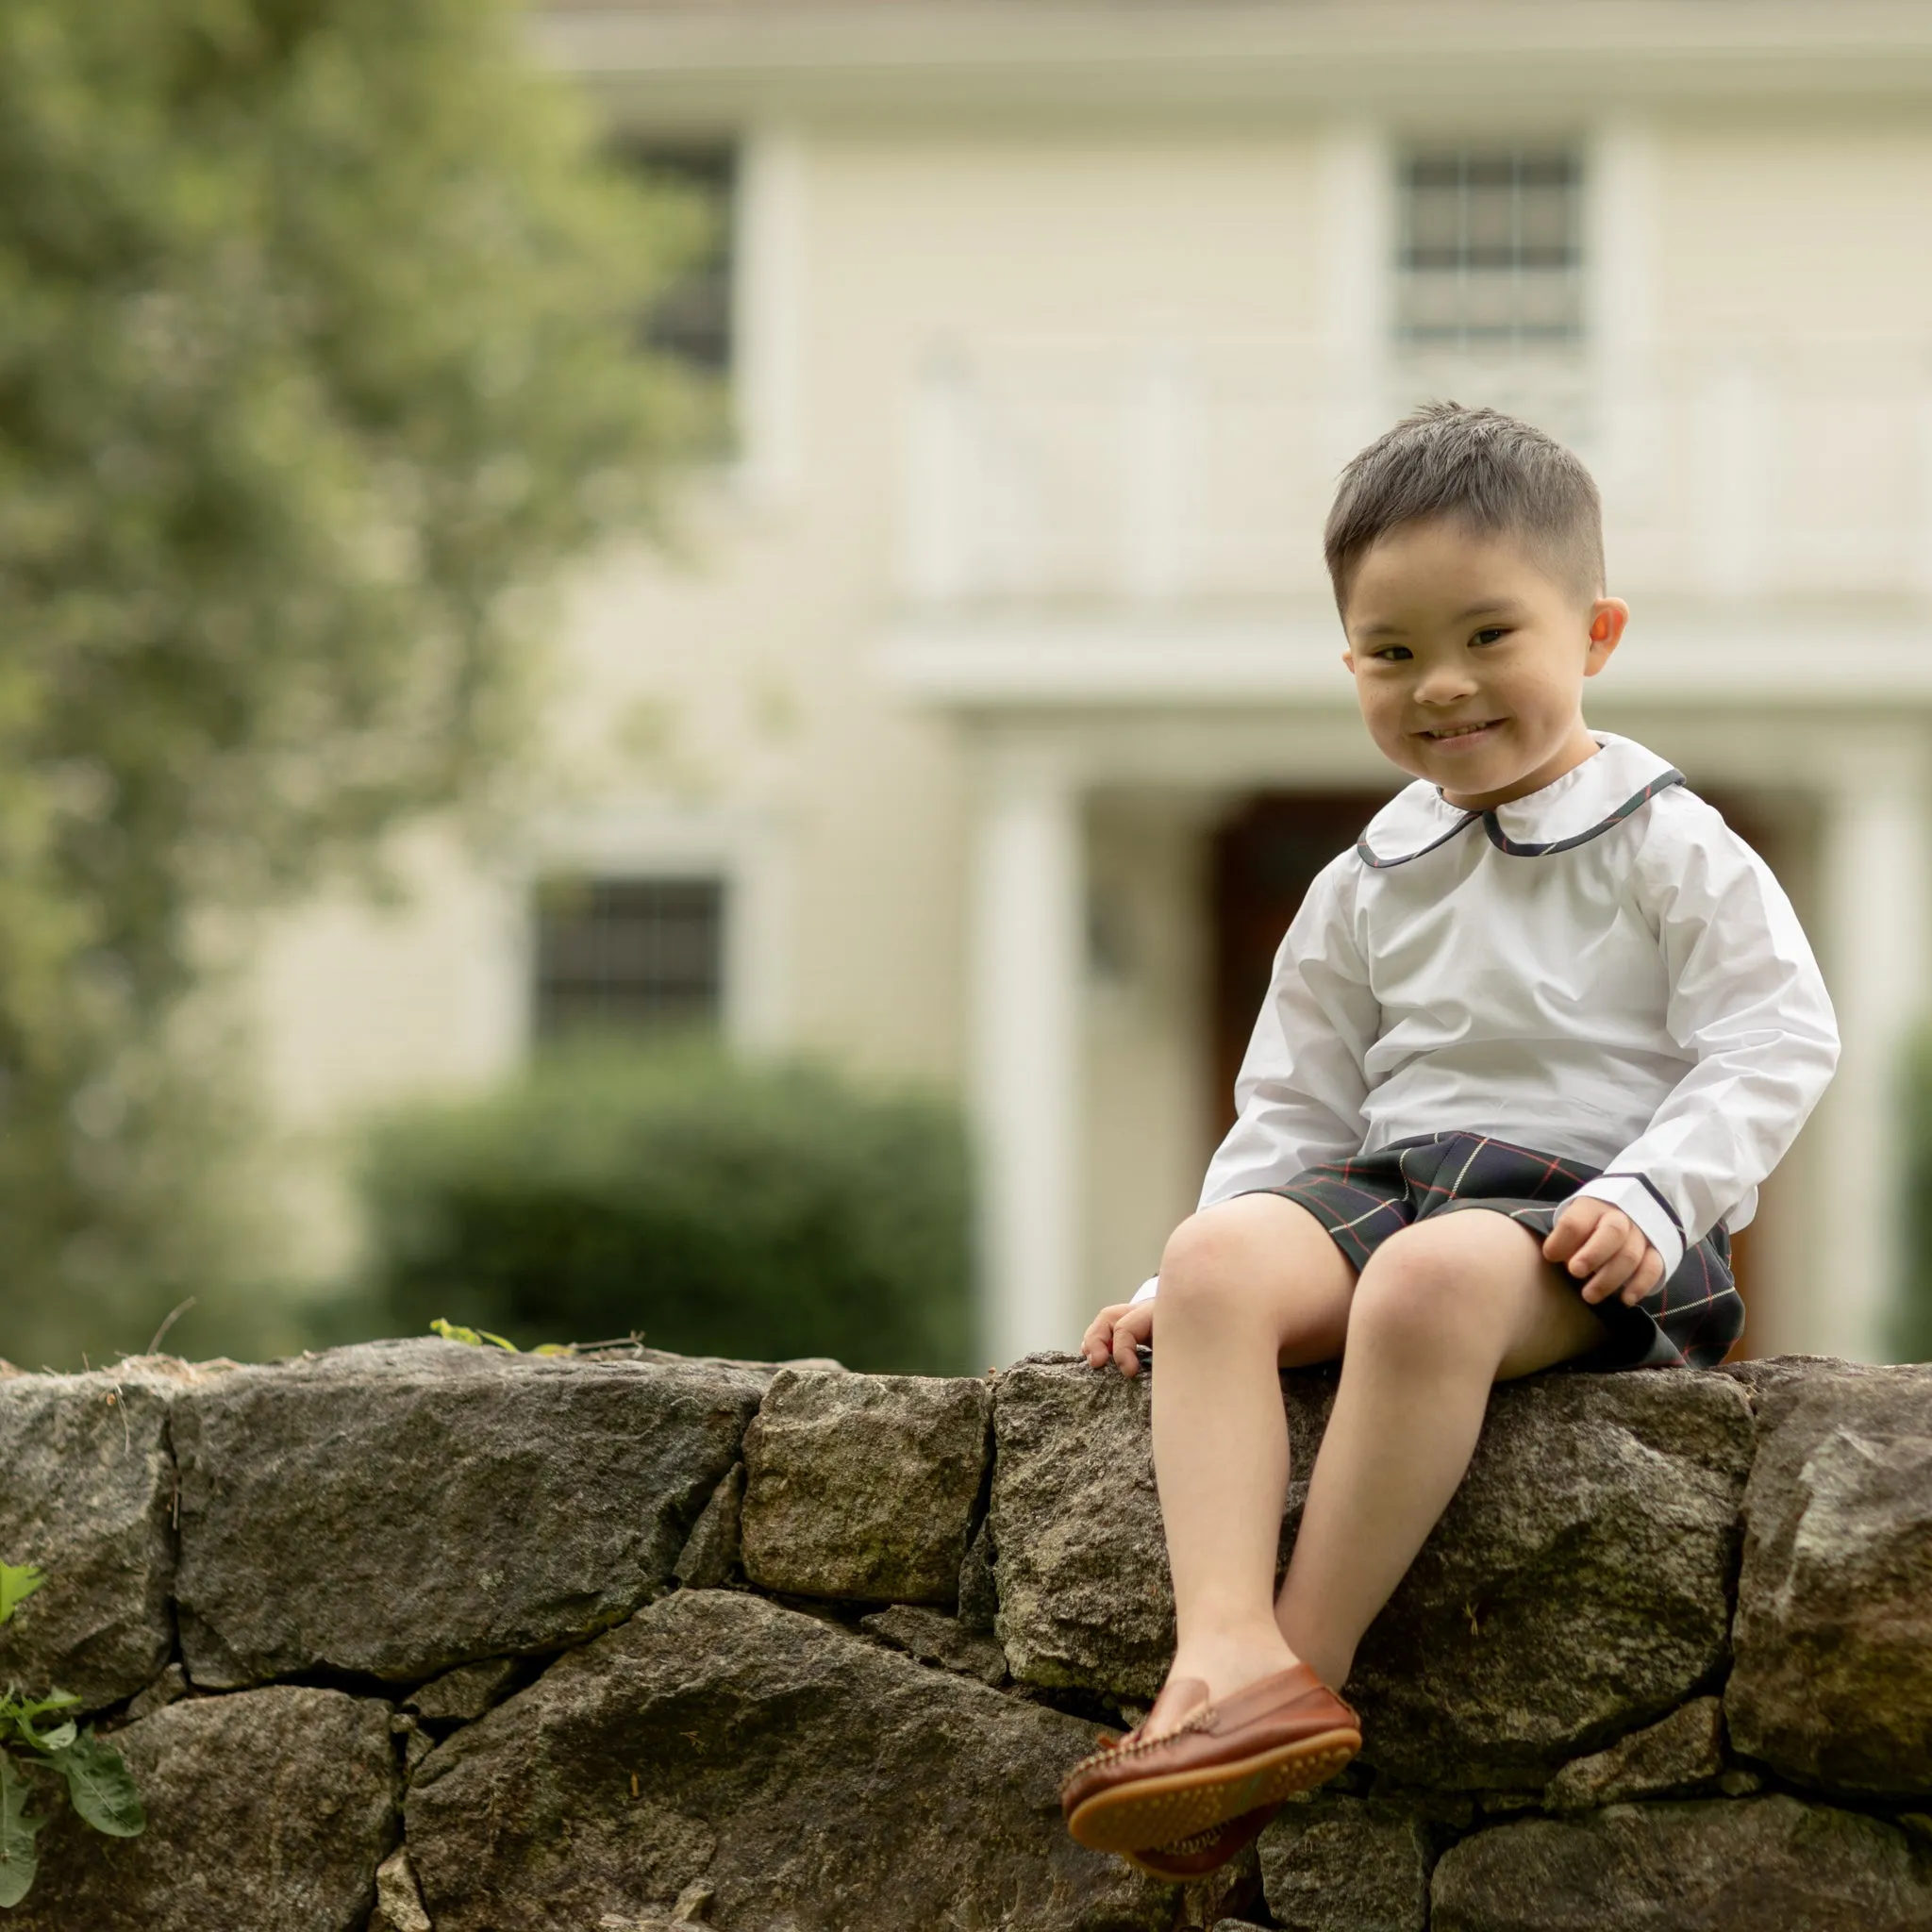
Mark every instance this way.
x=318 y=352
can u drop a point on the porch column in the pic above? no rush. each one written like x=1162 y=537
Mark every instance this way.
x=1027 y=933
x=1876 y=863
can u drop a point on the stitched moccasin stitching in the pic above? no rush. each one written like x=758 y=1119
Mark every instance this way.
x=1134 y=1744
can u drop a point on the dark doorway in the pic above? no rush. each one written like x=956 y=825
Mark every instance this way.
x=1265 y=858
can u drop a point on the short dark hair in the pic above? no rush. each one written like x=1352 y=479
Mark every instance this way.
x=1496 y=472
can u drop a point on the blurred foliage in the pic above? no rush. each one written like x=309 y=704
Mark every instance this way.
x=720 y=1208
x=318 y=349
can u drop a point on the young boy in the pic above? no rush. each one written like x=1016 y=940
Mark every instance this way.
x=1528 y=1051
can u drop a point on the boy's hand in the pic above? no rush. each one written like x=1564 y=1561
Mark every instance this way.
x=1118 y=1331
x=1606 y=1250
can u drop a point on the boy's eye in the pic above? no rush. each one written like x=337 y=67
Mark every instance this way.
x=1490 y=633
x=1390 y=654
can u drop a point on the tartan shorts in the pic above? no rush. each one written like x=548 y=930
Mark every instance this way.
x=1689 y=1321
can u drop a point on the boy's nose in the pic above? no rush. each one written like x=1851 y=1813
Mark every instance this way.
x=1447 y=684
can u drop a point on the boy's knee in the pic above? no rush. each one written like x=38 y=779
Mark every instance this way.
x=1206 y=1259
x=1416 y=1294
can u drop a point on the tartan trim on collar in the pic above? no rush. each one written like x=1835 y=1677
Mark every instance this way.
x=1515 y=849
x=1662 y=782
x=1368 y=858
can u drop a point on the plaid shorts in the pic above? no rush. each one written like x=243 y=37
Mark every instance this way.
x=1689 y=1321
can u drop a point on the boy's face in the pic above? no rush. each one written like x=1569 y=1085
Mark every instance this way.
x=1469 y=660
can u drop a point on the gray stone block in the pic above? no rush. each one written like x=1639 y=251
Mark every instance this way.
x=711 y=1552
x=800 y=1778
x=979 y=1596
x=864 y=1485
x=86 y=1493
x=1085 y=1598
x=461 y=1695
x=1833 y=1681
x=402 y=1508
x=1681 y=1755
x=934 y=1638
x=398 y=1904
x=1339 y=1864
x=1743 y=1865
x=271 y=1809
x=1577 y=1586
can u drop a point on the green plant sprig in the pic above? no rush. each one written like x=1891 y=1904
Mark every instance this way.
x=98 y=1783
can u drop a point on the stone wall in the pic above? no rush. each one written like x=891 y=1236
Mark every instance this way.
x=417 y=1634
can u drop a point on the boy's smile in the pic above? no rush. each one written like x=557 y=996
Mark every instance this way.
x=1469 y=659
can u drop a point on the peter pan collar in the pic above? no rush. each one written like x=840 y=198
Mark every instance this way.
x=1580 y=806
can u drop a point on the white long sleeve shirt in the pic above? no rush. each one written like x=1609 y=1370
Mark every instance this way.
x=1601 y=970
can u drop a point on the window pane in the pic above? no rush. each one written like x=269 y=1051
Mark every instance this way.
x=1491 y=215
x=639 y=956
x=1435 y=227
x=691 y=317
x=1546 y=219
x=1491 y=247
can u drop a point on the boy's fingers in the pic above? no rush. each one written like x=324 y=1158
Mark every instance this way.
x=1097 y=1343
x=1130 y=1332
x=1565 y=1238
x=1115 y=1333
x=1616 y=1269
x=1649 y=1273
x=1607 y=1240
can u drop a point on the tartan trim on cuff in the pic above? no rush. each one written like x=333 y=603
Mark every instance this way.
x=1635 y=1195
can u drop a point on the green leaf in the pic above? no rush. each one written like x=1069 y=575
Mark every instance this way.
x=27 y=1708
x=58 y=1739
x=475 y=1338
x=19 y=1827
x=17 y=1715
x=18 y=1581
x=100 y=1787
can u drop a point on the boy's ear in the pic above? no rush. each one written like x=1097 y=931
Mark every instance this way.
x=1348 y=660
x=1608 y=617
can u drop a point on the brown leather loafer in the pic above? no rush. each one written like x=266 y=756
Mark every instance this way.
x=1193 y=1857
x=1281 y=1735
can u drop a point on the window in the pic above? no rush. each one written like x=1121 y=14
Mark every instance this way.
x=691 y=317
x=629 y=954
x=1491 y=247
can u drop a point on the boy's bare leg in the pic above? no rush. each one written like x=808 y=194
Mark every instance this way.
x=1244 y=1287
x=1442 y=1311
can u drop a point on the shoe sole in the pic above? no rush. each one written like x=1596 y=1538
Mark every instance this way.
x=1190 y=1859
x=1155 y=1811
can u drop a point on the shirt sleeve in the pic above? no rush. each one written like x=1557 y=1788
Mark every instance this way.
x=1299 y=1094
x=1298 y=1097
x=1748 y=1002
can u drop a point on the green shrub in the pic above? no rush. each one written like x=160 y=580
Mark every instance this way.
x=720 y=1208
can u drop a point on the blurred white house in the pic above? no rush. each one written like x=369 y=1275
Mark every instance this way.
x=992 y=723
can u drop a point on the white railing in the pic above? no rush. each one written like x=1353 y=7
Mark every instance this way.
x=1157 y=473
